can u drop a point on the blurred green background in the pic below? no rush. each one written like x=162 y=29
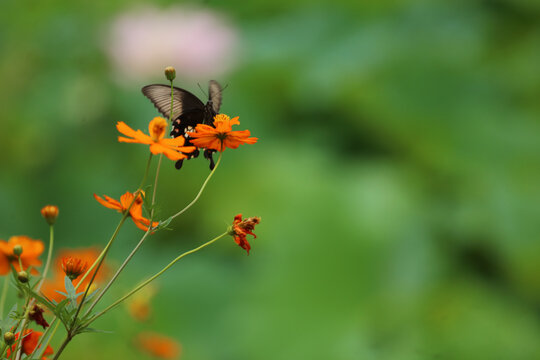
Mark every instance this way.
x=397 y=172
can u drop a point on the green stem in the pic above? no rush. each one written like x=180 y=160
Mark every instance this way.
x=20 y=264
x=126 y=213
x=4 y=348
x=201 y=190
x=102 y=292
x=63 y=346
x=148 y=281
x=104 y=253
x=42 y=337
x=3 y=297
x=154 y=191
x=49 y=257
x=130 y=256
x=23 y=324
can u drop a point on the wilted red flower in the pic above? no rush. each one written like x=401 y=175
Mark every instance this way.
x=36 y=314
x=50 y=213
x=73 y=267
x=31 y=250
x=171 y=148
x=121 y=206
x=29 y=342
x=241 y=228
x=220 y=136
x=158 y=345
x=87 y=255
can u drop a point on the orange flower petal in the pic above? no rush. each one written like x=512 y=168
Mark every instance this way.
x=169 y=153
x=126 y=200
x=109 y=202
x=138 y=136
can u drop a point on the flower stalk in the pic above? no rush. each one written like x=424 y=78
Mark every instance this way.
x=148 y=281
x=201 y=190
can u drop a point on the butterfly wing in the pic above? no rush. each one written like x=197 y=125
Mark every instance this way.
x=214 y=93
x=183 y=100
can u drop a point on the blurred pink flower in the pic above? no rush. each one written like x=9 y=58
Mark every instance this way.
x=198 y=42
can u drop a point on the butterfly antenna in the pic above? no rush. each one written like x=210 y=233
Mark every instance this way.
x=204 y=92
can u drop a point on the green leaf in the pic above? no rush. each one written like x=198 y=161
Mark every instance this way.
x=163 y=224
x=70 y=289
x=92 y=330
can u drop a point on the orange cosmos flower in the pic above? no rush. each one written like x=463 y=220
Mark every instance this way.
x=29 y=343
x=73 y=267
x=86 y=255
x=220 y=135
x=158 y=345
x=171 y=148
x=121 y=206
x=241 y=228
x=32 y=249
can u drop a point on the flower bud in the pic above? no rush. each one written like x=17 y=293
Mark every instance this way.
x=22 y=276
x=9 y=338
x=170 y=73
x=73 y=267
x=17 y=250
x=50 y=213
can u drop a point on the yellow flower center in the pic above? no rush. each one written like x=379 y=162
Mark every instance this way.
x=157 y=128
x=221 y=117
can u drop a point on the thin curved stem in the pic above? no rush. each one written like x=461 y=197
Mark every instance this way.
x=104 y=253
x=43 y=336
x=23 y=324
x=102 y=292
x=49 y=257
x=148 y=281
x=5 y=288
x=154 y=191
x=201 y=190
x=126 y=214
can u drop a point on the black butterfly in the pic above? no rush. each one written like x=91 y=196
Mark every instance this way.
x=188 y=111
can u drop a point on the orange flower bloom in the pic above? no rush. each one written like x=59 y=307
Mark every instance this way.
x=158 y=345
x=73 y=267
x=171 y=148
x=32 y=249
x=241 y=228
x=29 y=343
x=121 y=206
x=220 y=135
x=86 y=255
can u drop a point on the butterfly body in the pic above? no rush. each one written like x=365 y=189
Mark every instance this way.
x=187 y=111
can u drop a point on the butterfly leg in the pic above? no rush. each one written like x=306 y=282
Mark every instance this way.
x=208 y=155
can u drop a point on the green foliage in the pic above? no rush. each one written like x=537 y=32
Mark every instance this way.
x=397 y=177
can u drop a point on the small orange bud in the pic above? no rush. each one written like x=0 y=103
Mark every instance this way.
x=170 y=73
x=50 y=213
x=73 y=267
